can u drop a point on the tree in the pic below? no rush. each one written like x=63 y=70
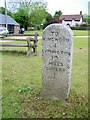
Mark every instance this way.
x=14 y=5
x=57 y=16
x=38 y=15
x=48 y=20
x=30 y=13
x=55 y=19
x=86 y=18
x=22 y=17
x=2 y=10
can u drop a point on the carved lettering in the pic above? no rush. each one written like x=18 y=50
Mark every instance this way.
x=58 y=39
x=54 y=57
x=55 y=45
x=57 y=60
x=56 y=52
x=54 y=33
x=55 y=69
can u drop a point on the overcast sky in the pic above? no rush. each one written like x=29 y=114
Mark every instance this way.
x=66 y=6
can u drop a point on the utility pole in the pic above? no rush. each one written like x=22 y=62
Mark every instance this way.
x=5 y=13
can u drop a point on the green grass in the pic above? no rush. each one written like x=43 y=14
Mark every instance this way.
x=75 y=32
x=80 y=32
x=33 y=32
x=22 y=85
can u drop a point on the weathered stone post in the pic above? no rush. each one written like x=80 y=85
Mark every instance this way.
x=57 y=49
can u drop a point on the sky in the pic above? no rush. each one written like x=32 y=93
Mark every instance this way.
x=66 y=6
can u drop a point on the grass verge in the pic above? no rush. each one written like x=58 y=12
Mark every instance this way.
x=22 y=85
x=75 y=32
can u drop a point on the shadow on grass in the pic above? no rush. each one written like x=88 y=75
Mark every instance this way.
x=13 y=52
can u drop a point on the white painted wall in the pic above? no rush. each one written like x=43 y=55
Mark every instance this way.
x=72 y=23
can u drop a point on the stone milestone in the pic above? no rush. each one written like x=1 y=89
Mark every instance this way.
x=57 y=49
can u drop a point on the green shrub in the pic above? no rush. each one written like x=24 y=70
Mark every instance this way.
x=81 y=27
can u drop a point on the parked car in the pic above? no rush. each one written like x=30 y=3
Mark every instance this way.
x=3 y=31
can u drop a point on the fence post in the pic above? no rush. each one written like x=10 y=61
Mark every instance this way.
x=35 y=43
x=29 y=46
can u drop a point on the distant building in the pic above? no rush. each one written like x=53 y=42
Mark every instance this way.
x=71 y=20
x=12 y=25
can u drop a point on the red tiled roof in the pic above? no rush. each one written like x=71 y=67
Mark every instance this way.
x=70 y=17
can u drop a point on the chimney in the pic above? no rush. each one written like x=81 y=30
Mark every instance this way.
x=81 y=13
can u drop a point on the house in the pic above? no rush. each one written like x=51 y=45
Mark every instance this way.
x=71 y=20
x=12 y=25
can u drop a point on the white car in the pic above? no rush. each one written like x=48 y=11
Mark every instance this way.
x=3 y=31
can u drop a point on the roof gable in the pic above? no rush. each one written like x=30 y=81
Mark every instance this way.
x=10 y=20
